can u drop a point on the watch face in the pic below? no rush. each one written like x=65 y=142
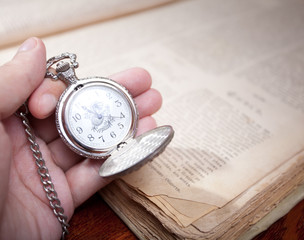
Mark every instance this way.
x=95 y=115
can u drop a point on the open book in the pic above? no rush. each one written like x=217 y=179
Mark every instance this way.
x=231 y=75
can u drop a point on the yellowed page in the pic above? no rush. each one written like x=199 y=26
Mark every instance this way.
x=227 y=125
x=282 y=209
x=250 y=110
x=241 y=213
x=183 y=212
x=22 y=19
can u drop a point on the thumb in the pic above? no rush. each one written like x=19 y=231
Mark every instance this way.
x=20 y=76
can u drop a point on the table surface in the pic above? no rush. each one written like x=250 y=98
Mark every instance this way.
x=95 y=220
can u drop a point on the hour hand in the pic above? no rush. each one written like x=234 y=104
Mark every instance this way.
x=99 y=115
x=88 y=110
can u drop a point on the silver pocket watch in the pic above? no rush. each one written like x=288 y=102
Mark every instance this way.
x=97 y=118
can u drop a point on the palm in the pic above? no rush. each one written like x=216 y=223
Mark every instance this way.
x=26 y=205
x=24 y=209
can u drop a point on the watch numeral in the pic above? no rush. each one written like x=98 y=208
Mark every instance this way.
x=112 y=134
x=122 y=115
x=101 y=137
x=79 y=130
x=118 y=103
x=109 y=95
x=91 y=137
x=76 y=117
x=120 y=125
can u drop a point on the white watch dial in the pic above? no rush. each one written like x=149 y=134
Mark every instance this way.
x=98 y=117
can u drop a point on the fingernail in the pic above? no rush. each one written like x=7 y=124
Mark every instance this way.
x=47 y=104
x=28 y=45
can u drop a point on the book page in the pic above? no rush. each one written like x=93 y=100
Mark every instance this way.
x=218 y=164
x=254 y=125
x=22 y=19
x=233 y=125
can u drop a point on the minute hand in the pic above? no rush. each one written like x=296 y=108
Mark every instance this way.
x=112 y=117
x=99 y=116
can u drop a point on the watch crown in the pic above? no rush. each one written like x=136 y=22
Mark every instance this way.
x=65 y=71
x=62 y=67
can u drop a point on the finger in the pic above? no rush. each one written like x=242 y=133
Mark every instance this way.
x=148 y=103
x=136 y=80
x=45 y=128
x=66 y=158
x=84 y=180
x=21 y=76
x=145 y=124
x=43 y=101
x=6 y=153
x=63 y=157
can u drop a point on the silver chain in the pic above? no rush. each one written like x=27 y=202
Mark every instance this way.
x=43 y=172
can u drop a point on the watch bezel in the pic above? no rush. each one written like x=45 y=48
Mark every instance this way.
x=62 y=125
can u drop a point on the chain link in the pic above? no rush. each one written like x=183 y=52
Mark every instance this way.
x=43 y=172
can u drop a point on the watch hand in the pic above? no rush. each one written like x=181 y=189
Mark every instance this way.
x=88 y=110
x=110 y=116
x=99 y=115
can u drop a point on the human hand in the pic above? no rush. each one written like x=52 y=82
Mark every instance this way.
x=24 y=208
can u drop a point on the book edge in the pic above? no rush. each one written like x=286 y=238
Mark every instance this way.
x=278 y=212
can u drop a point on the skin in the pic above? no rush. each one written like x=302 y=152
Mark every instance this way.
x=24 y=208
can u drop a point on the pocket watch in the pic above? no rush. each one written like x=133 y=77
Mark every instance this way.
x=97 y=118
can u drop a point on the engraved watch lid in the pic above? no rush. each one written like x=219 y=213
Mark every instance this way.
x=137 y=151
